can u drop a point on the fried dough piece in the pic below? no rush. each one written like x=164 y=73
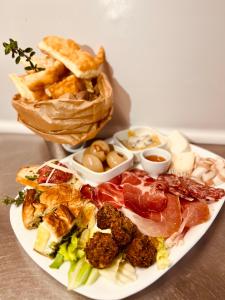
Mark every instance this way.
x=63 y=194
x=59 y=221
x=54 y=71
x=56 y=224
x=39 y=80
x=78 y=61
x=32 y=210
x=25 y=91
x=32 y=84
x=71 y=84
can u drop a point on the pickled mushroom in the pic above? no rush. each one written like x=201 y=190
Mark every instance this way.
x=92 y=162
x=114 y=159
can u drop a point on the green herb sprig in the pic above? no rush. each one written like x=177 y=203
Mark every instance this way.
x=17 y=201
x=18 y=53
x=31 y=177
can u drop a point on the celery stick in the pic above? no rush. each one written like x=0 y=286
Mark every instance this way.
x=63 y=251
x=83 y=274
x=93 y=276
x=78 y=274
x=58 y=261
x=70 y=273
x=85 y=235
x=80 y=253
x=74 y=240
x=72 y=253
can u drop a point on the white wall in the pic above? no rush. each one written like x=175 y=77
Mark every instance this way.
x=166 y=57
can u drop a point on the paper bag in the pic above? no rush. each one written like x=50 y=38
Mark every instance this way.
x=67 y=121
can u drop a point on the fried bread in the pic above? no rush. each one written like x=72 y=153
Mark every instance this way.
x=80 y=62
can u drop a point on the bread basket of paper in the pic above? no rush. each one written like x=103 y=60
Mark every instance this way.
x=69 y=100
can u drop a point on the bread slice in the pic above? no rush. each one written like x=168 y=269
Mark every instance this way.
x=70 y=84
x=55 y=225
x=28 y=176
x=32 y=210
x=24 y=90
x=25 y=173
x=78 y=61
x=32 y=84
x=39 y=80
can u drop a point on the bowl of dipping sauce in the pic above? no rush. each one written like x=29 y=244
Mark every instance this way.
x=155 y=161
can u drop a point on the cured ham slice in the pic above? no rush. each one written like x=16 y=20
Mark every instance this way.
x=144 y=199
x=167 y=206
x=110 y=193
x=161 y=224
x=191 y=190
x=194 y=213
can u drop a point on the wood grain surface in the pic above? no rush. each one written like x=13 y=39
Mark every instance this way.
x=200 y=275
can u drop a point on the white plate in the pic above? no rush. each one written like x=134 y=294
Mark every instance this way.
x=104 y=289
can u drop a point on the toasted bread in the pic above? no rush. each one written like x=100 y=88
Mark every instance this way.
x=70 y=84
x=78 y=61
x=39 y=80
x=56 y=224
x=32 y=210
x=23 y=175
x=63 y=194
x=59 y=221
x=28 y=176
x=25 y=91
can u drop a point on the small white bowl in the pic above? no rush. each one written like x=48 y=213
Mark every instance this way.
x=100 y=177
x=123 y=135
x=155 y=168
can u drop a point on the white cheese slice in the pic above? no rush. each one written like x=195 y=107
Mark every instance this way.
x=177 y=143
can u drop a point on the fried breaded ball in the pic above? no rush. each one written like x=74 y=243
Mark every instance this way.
x=101 y=250
x=141 y=252
x=107 y=215
x=123 y=231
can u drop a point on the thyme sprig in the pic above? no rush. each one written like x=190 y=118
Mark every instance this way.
x=17 y=201
x=18 y=53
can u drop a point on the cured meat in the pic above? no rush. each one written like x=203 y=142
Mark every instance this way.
x=194 y=213
x=136 y=190
x=191 y=190
x=167 y=206
x=144 y=199
x=56 y=176
x=110 y=193
x=88 y=192
x=163 y=223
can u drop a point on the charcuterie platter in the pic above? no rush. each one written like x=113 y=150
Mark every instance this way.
x=110 y=219
x=110 y=236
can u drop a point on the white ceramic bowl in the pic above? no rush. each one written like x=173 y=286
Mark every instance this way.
x=152 y=167
x=123 y=135
x=96 y=177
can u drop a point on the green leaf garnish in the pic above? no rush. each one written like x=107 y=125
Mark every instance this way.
x=7 y=200
x=31 y=177
x=12 y=47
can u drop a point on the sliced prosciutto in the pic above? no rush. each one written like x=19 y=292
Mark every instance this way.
x=145 y=199
x=110 y=193
x=167 y=206
x=191 y=190
x=161 y=224
x=194 y=213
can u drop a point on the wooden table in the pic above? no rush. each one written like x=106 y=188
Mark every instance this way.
x=199 y=275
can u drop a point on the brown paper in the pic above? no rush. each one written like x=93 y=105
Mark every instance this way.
x=67 y=121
